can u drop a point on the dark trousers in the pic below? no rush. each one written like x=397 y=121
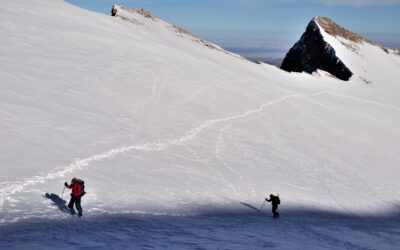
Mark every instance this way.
x=274 y=208
x=77 y=201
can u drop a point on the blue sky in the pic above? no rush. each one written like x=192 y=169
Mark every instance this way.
x=266 y=27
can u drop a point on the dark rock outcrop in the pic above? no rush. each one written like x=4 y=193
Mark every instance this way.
x=114 y=11
x=311 y=52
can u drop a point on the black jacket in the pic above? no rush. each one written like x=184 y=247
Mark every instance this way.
x=275 y=200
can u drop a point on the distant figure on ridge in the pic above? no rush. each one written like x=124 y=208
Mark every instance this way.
x=78 y=190
x=275 y=202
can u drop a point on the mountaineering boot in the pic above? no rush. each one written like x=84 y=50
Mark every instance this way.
x=72 y=210
x=80 y=212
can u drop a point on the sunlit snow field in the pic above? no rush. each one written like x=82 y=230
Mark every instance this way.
x=179 y=143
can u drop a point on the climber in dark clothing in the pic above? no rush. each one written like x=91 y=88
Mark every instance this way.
x=76 y=195
x=275 y=202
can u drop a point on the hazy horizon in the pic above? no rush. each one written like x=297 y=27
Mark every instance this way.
x=266 y=30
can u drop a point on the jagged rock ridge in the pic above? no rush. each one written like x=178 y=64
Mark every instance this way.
x=312 y=52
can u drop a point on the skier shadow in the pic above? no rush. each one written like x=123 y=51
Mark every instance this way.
x=249 y=206
x=57 y=201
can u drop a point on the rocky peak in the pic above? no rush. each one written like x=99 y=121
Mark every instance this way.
x=131 y=15
x=336 y=30
x=312 y=52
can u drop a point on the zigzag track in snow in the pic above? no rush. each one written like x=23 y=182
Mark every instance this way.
x=16 y=187
x=363 y=100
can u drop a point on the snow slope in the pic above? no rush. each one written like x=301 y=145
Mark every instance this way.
x=372 y=63
x=159 y=123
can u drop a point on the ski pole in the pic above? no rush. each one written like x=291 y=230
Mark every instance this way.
x=259 y=210
x=62 y=192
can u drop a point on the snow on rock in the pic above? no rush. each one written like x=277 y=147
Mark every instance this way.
x=327 y=46
x=312 y=52
x=132 y=15
x=370 y=62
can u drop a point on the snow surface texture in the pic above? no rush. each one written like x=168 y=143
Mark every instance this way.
x=179 y=142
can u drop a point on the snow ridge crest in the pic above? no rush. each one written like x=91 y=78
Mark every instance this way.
x=336 y=30
x=141 y=17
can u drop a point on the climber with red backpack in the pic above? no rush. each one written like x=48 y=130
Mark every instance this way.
x=78 y=190
x=275 y=202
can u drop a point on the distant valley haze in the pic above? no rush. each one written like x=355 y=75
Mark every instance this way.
x=266 y=30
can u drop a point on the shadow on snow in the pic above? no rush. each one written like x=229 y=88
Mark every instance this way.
x=218 y=229
x=58 y=201
x=250 y=206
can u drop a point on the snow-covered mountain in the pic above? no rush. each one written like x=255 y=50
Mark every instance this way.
x=312 y=52
x=327 y=46
x=160 y=122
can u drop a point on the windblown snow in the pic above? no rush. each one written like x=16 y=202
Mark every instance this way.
x=161 y=123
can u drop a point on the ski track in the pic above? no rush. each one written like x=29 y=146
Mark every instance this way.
x=153 y=93
x=363 y=100
x=219 y=158
x=17 y=187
